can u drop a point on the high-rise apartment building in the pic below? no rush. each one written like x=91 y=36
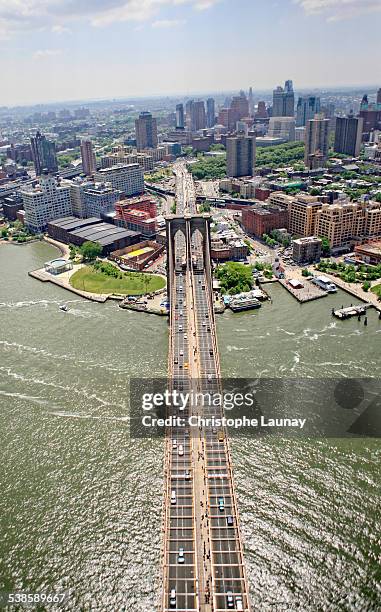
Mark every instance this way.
x=91 y=199
x=210 y=112
x=77 y=186
x=89 y=163
x=188 y=114
x=180 y=118
x=282 y=127
x=343 y=224
x=123 y=155
x=306 y=109
x=241 y=151
x=224 y=117
x=46 y=201
x=99 y=199
x=348 y=223
x=284 y=101
x=348 y=135
x=302 y=212
x=195 y=115
x=44 y=154
x=316 y=150
x=146 y=131
x=198 y=116
x=239 y=108
x=129 y=178
x=371 y=115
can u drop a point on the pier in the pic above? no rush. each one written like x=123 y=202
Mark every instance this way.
x=351 y=311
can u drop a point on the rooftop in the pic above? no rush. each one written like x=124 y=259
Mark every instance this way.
x=119 y=167
x=71 y=223
x=103 y=233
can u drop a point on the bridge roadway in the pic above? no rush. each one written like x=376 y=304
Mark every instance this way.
x=198 y=468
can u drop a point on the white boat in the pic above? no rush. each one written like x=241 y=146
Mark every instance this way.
x=324 y=283
x=64 y=307
x=244 y=304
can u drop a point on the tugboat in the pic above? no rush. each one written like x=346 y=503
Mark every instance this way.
x=64 y=307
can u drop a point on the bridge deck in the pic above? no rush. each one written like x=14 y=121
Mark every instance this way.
x=198 y=467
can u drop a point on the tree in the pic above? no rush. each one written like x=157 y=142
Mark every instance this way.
x=378 y=197
x=90 y=250
x=204 y=208
x=315 y=191
x=325 y=246
x=72 y=251
x=366 y=285
x=234 y=277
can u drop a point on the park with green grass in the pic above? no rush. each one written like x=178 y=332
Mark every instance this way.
x=105 y=278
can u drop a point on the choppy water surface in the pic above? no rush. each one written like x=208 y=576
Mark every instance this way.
x=81 y=502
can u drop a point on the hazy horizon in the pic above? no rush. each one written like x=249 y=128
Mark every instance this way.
x=196 y=94
x=62 y=50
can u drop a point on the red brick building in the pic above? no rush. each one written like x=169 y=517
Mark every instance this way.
x=235 y=251
x=262 y=194
x=138 y=215
x=261 y=220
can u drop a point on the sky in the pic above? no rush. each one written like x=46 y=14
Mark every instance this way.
x=56 y=50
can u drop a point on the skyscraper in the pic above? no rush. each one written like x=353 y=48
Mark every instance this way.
x=316 y=151
x=210 y=113
x=251 y=102
x=180 y=119
x=146 y=132
x=378 y=101
x=307 y=108
x=239 y=108
x=261 y=111
x=188 y=114
x=241 y=152
x=198 y=116
x=44 y=154
x=364 y=102
x=348 y=135
x=89 y=163
x=284 y=101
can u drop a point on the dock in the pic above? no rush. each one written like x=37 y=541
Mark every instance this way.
x=307 y=293
x=350 y=311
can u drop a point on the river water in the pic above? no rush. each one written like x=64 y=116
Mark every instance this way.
x=81 y=502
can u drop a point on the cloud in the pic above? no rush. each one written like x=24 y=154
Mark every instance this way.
x=44 y=53
x=16 y=15
x=204 y=5
x=168 y=23
x=59 y=29
x=337 y=10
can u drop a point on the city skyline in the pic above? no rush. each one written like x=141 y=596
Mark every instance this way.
x=89 y=52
